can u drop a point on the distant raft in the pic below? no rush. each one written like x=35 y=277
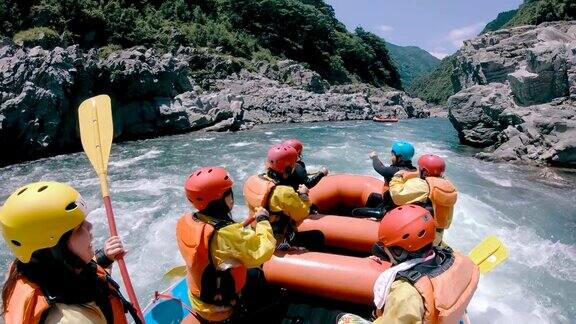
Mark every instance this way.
x=385 y=119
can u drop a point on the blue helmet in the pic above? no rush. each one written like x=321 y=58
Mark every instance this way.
x=403 y=149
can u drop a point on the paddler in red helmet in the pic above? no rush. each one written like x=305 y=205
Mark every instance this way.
x=427 y=187
x=300 y=174
x=218 y=251
x=426 y=283
x=287 y=207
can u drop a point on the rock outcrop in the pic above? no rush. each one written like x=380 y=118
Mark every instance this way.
x=158 y=94
x=518 y=96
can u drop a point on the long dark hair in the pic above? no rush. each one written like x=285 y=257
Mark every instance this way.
x=276 y=176
x=48 y=268
x=9 y=285
x=218 y=208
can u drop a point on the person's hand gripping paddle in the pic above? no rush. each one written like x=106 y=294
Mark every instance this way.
x=96 y=132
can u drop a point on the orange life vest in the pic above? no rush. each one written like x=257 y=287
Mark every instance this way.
x=212 y=286
x=446 y=288
x=257 y=190
x=27 y=303
x=443 y=196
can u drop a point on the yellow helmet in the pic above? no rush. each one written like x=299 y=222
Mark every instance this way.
x=35 y=216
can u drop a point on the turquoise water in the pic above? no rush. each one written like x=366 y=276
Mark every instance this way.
x=531 y=209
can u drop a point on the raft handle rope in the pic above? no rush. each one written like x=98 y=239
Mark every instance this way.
x=159 y=295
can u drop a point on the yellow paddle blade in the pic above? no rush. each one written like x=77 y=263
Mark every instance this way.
x=489 y=253
x=494 y=260
x=179 y=271
x=96 y=130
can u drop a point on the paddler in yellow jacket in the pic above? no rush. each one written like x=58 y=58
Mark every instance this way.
x=426 y=283
x=219 y=252
x=57 y=277
x=428 y=188
x=287 y=207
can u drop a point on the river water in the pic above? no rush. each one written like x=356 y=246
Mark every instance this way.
x=530 y=209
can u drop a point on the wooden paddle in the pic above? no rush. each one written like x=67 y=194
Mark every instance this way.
x=96 y=132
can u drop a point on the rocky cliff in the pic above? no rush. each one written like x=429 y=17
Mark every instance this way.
x=156 y=94
x=518 y=96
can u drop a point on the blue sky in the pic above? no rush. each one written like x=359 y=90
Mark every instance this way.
x=438 y=26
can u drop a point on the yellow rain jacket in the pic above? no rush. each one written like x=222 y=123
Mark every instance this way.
x=287 y=201
x=231 y=246
x=410 y=190
x=404 y=305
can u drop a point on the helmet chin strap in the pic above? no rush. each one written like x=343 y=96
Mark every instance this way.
x=396 y=259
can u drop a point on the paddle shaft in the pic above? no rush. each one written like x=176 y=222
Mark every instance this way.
x=121 y=263
x=95 y=121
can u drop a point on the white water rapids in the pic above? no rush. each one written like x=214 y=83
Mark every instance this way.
x=530 y=209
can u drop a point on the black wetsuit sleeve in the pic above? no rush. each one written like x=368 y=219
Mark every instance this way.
x=299 y=176
x=386 y=172
x=313 y=180
x=102 y=259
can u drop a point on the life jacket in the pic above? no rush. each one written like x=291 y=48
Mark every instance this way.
x=210 y=285
x=446 y=284
x=28 y=304
x=443 y=196
x=257 y=192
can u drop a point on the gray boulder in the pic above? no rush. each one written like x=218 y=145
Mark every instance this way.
x=294 y=74
x=475 y=113
x=545 y=76
x=518 y=94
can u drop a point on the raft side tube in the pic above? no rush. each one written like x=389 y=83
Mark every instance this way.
x=344 y=192
x=332 y=276
x=353 y=234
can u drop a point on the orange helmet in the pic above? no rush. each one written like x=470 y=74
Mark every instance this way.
x=409 y=227
x=281 y=157
x=295 y=143
x=206 y=185
x=432 y=164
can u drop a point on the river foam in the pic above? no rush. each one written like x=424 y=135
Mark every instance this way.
x=530 y=209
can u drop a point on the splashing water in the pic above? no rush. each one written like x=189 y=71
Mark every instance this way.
x=531 y=209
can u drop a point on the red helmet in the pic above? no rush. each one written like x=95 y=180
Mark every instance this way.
x=409 y=227
x=281 y=157
x=295 y=143
x=432 y=164
x=206 y=185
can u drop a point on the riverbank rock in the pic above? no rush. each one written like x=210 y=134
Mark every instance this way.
x=157 y=93
x=518 y=97
x=294 y=74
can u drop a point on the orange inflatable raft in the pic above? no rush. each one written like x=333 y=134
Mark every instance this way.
x=385 y=119
x=337 y=195
x=333 y=276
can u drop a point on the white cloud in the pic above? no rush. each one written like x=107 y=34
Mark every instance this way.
x=458 y=35
x=439 y=55
x=385 y=28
